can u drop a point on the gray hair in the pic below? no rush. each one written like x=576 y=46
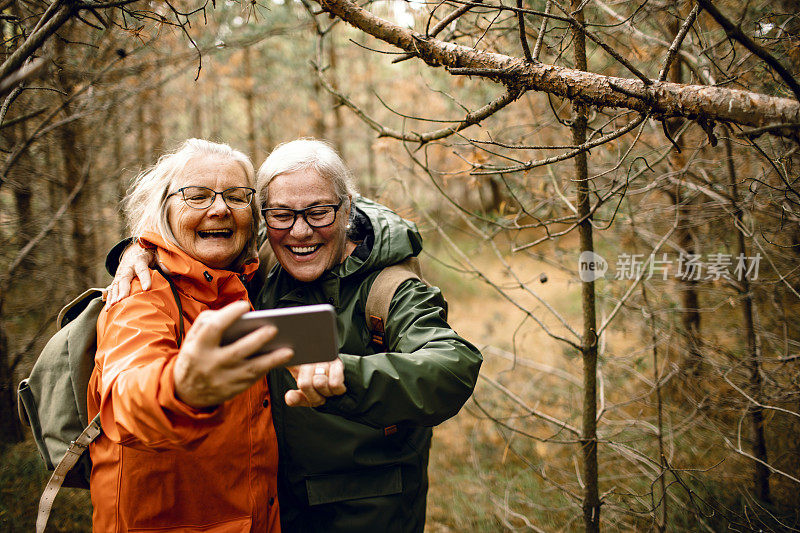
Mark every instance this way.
x=306 y=154
x=146 y=202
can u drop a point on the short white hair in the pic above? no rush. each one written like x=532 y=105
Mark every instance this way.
x=146 y=202
x=306 y=154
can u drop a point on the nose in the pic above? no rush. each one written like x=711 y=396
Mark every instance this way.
x=301 y=229
x=218 y=207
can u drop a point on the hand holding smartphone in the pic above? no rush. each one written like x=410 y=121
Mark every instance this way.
x=309 y=330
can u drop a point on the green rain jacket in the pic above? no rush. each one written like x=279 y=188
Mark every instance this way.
x=359 y=462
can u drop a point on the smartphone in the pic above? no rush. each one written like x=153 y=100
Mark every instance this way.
x=309 y=330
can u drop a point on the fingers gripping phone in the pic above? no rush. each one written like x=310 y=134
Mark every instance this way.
x=309 y=330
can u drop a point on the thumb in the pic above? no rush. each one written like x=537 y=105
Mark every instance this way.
x=295 y=398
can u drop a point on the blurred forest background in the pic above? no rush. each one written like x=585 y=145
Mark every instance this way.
x=650 y=385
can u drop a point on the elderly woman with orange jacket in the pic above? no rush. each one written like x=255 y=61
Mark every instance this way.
x=188 y=442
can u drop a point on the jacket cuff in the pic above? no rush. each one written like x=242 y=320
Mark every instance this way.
x=170 y=401
x=345 y=403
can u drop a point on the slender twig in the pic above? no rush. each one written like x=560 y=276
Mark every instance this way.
x=478 y=272
x=538 y=414
x=630 y=28
x=46 y=125
x=442 y=24
x=541 y=367
x=567 y=155
x=738 y=449
x=7 y=103
x=537 y=49
x=581 y=27
x=17 y=358
x=22 y=118
x=472 y=118
x=523 y=37
x=30 y=69
x=676 y=44
x=734 y=32
x=757 y=132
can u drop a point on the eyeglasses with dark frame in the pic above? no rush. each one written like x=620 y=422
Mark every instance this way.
x=198 y=197
x=316 y=216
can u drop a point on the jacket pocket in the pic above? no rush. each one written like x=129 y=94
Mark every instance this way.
x=236 y=525
x=330 y=488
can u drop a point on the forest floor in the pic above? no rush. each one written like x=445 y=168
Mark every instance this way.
x=475 y=478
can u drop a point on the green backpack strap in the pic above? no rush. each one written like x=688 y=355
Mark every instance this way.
x=93 y=430
x=74 y=453
x=381 y=293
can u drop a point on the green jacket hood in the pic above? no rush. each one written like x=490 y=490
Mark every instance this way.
x=396 y=239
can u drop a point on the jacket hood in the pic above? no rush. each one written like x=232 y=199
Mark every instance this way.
x=207 y=283
x=396 y=239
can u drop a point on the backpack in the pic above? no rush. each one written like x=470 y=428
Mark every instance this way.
x=52 y=401
x=381 y=293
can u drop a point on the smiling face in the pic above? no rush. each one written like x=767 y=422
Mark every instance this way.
x=306 y=252
x=216 y=235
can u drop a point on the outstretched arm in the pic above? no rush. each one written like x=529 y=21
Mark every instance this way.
x=149 y=393
x=425 y=378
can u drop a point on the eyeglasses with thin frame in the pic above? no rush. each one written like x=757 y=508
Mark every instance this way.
x=316 y=216
x=198 y=197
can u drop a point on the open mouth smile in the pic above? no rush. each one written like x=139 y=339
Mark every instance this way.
x=215 y=233
x=304 y=250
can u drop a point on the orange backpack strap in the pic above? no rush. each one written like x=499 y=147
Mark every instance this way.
x=381 y=293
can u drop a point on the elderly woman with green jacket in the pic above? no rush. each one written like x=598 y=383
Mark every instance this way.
x=354 y=435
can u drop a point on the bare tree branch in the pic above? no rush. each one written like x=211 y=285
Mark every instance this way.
x=37 y=38
x=471 y=118
x=662 y=99
x=20 y=257
x=737 y=34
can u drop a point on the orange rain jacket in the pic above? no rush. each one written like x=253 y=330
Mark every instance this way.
x=159 y=464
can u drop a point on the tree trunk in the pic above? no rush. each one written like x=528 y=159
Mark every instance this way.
x=662 y=499
x=118 y=130
x=338 y=124
x=591 y=499
x=687 y=288
x=69 y=140
x=250 y=106
x=757 y=437
x=23 y=196
x=10 y=426
x=156 y=118
x=195 y=110
x=141 y=131
x=315 y=107
x=215 y=109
